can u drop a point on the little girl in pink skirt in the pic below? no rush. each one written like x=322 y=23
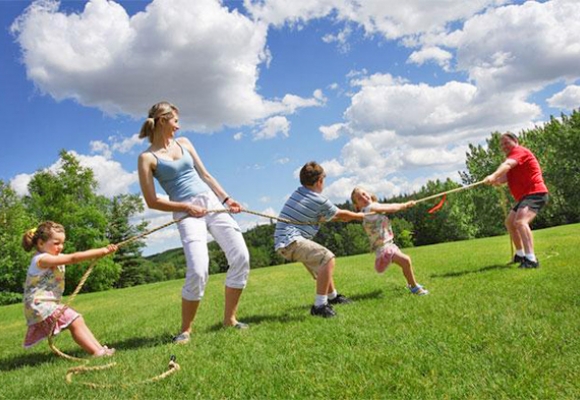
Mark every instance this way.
x=378 y=227
x=45 y=285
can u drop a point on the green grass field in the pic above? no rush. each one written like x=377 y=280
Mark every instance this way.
x=486 y=331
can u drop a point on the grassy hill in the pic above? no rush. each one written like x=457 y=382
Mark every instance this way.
x=487 y=331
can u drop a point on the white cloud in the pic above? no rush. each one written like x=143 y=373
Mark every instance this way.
x=116 y=144
x=436 y=54
x=520 y=47
x=341 y=38
x=272 y=127
x=452 y=111
x=238 y=136
x=392 y=19
x=568 y=99
x=125 y=145
x=333 y=131
x=20 y=184
x=283 y=160
x=290 y=103
x=248 y=221
x=100 y=147
x=430 y=157
x=112 y=179
x=339 y=190
x=332 y=168
x=198 y=54
x=110 y=175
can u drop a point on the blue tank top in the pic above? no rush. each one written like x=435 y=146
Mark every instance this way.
x=179 y=178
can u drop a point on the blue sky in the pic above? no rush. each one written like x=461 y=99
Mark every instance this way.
x=384 y=94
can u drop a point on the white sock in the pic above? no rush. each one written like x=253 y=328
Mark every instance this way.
x=332 y=295
x=520 y=252
x=531 y=257
x=321 y=299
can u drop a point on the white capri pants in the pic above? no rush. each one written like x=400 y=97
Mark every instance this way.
x=228 y=235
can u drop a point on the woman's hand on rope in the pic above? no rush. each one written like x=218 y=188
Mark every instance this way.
x=233 y=206
x=195 y=211
x=409 y=204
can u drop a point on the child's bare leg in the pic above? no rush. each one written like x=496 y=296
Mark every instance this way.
x=83 y=336
x=324 y=278
x=331 y=285
x=404 y=261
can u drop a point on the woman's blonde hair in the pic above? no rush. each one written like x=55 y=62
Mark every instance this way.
x=162 y=110
x=355 y=191
x=41 y=232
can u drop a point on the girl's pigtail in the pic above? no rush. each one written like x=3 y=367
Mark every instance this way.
x=28 y=239
x=42 y=232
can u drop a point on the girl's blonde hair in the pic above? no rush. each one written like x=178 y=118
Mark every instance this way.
x=162 y=110
x=42 y=232
x=355 y=191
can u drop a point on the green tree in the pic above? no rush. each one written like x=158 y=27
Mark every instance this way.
x=14 y=222
x=355 y=239
x=489 y=206
x=451 y=222
x=122 y=208
x=403 y=231
x=259 y=257
x=67 y=196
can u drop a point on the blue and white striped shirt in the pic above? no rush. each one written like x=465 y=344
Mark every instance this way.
x=304 y=205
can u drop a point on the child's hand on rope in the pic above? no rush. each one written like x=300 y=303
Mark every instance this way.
x=111 y=248
x=410 y=204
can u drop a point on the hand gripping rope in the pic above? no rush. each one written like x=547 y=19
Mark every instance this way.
x=173 y=366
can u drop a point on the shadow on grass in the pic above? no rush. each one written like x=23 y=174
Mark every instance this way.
x=25 y=360
x=35 y=359
x=258 y=319
x=375 y=294
x=289 y=317
x=471 y=271
x=141 y=342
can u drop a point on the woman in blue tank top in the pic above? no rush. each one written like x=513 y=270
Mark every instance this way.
x=192 y=191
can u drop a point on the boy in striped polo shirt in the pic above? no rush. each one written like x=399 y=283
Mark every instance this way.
x=308 y=207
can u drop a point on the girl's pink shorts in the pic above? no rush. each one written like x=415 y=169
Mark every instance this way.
x=41 y=330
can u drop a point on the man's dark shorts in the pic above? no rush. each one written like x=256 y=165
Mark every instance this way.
x=534 y=201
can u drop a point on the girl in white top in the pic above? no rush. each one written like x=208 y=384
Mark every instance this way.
x=378 y=227
x=45 y=285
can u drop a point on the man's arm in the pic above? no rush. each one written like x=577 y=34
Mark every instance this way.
x=499 y=176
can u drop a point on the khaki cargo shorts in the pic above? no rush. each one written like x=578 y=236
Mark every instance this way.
x=309 y=253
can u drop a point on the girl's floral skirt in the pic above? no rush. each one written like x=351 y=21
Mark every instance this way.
x=41 y=330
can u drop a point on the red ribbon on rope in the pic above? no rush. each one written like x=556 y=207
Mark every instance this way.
x=438 y=205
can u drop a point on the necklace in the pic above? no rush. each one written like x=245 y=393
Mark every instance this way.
x=166 y=149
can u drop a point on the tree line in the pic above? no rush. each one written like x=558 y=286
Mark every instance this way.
x=68 y=196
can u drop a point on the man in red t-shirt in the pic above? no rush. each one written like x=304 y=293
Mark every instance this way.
x=523 y=175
